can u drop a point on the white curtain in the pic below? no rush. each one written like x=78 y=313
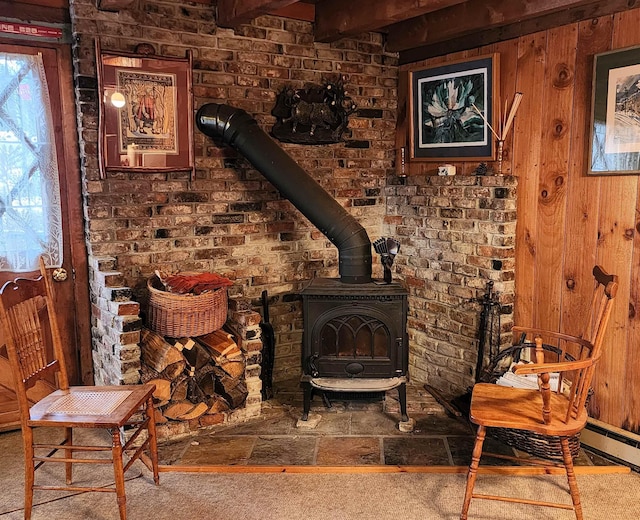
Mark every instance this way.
x=30 y=216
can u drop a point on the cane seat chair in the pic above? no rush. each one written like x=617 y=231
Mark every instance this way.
x=35 y=354
x=555 y=409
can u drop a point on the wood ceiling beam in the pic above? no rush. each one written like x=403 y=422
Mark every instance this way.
x=515 y=30
x=30 y=11
x=297 y=11
x=232 y=13
x=471 y=17
x=56 y=4
x=336 y=19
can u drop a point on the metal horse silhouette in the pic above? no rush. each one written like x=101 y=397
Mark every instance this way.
x=318 y=114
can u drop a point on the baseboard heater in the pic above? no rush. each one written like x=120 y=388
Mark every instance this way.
x=620 y=444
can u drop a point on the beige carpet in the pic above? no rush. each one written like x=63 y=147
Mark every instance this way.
x=313 y=496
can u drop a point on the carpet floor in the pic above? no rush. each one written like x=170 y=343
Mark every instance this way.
x=288 y=496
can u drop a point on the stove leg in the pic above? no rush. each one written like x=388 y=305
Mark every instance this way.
x=307 y=391
x=326 y=400
x=402 y=396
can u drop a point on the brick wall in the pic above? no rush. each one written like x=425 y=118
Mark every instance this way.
x=457 y=234
x=229 y=219
x=116 y=326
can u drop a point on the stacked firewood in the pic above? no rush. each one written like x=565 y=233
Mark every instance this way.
x=194 y=377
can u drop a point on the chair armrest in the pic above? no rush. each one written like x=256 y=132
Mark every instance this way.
x=545 y=368
x=551 y=334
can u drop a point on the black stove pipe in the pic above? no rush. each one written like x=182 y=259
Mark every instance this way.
x=233 y=126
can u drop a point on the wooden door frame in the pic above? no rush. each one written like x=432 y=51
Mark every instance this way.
x=73 y=214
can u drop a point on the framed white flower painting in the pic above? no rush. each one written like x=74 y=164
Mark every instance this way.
x=451 y=108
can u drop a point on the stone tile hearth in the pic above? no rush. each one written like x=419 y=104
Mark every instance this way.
x=353 y=433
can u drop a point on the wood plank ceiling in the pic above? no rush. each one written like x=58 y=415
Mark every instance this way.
x=419 y=29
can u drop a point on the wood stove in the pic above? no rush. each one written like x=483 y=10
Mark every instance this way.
x=355 y=339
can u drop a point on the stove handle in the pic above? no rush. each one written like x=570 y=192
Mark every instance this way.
x=399 y=352
x=312 y=369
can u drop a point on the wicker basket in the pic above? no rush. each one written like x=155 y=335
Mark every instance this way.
x=544 y=446
x=182 y=315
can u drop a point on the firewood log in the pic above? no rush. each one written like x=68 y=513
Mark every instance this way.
x=233 y=390
x=159 y=418
x=195 y=394
x=197 y=357
x=224 y=381
x=237 y=395
x=220 y=345
x=147 y=373
x=234 y=368
x=163 y=389
x=157 y=353
x=205 y=378
x=173 y=370
x=179 y=388
x=224 y=351
x=185 y=410
x=217 y=404
x=184 y=344
x=197 y=411
x=176 y=410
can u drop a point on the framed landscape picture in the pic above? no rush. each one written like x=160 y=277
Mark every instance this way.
x=146 y=112
x=451 y=107
x=615 y=114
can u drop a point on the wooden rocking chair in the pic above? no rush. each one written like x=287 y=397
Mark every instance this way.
x=558 y=412
x=35 y=353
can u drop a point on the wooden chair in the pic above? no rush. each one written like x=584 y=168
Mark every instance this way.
x=558 y=412
x=35 y=354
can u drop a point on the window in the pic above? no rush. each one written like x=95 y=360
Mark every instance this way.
x=30 y=215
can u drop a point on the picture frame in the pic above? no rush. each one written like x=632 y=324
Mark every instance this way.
x=443 y=123
x=146 y=112
x=614 y=145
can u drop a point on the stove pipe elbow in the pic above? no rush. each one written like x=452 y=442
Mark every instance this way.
x=234 y=127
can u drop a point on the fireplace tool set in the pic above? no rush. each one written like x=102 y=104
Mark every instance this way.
x=489 y=330
x=387 y=248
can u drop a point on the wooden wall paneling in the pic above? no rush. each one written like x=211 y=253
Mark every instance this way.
x=552 y=173
x=630 y=398
x=527 y=146
x=508 y=52
x=402 y=125
x=615 y=253
x=583 y=192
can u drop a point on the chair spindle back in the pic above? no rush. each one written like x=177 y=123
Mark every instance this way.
x=33 y=342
